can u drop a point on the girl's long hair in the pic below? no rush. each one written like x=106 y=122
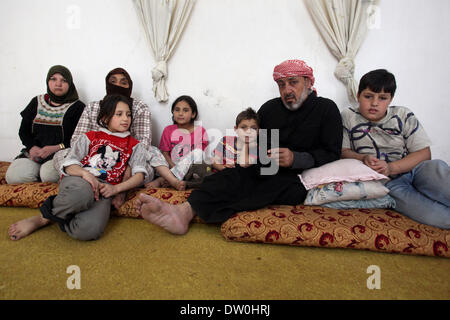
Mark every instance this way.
x=108 y=108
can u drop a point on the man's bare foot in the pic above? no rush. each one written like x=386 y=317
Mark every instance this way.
x=172 y=218
x=24 y=227
x=118 y=200
x=157 y=183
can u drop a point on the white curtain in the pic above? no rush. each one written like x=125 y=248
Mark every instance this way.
x=163 y=22
x=343 y=25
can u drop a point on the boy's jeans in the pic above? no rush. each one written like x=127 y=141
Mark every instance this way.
x=423 y=194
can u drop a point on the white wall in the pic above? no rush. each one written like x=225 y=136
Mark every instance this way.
x=224 y=59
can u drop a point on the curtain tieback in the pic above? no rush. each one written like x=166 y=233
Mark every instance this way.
x=345 y=69
x=159 y=72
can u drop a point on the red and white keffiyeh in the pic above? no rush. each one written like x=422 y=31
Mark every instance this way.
x=293 y=68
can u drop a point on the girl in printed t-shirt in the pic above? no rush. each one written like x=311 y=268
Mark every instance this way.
x=93 y=173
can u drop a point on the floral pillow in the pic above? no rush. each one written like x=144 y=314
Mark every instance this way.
x=340 y=191
x=349 y=170
x=386 y=202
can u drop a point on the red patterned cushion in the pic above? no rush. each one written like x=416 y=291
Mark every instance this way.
x=30 y=195
x=33 y=194
x=3 y=167
x=371 y=229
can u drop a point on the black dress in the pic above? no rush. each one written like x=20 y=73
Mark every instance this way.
x=35 y=132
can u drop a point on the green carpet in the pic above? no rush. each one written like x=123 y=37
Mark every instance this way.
x=136 y=260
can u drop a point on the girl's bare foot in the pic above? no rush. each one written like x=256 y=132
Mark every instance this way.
x=172 y=218
x=24 y=227
x=180 y=185
x=118 y=200
x=157 y=183
x=165 y=184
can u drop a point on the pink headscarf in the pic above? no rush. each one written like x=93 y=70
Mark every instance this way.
x=293 y=68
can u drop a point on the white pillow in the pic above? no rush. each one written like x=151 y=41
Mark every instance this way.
x=349 y=170
x=344 y=191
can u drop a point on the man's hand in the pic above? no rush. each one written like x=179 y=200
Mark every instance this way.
x=283 y=156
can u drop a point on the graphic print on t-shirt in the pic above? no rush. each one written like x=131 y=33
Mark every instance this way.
x=102 y=162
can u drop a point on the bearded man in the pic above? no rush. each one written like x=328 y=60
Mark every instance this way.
x=310 y=135
x=307 y=124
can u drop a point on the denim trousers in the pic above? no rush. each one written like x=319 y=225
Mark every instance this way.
x=423 y=194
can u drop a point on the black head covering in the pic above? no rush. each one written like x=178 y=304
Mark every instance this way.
x=113 y=89
x=72 y=94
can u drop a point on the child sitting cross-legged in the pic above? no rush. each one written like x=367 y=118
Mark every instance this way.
x=391 y=141
x=182 y=143
x=93 y=174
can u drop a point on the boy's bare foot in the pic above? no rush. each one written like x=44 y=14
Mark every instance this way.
x=24 y=227
x=172 y=218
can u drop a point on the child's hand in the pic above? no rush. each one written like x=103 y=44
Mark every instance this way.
x=229 y=165
x=93 y=182
x=107 y=190
x=382 y=167
x=378 y=165
x=369 y=160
